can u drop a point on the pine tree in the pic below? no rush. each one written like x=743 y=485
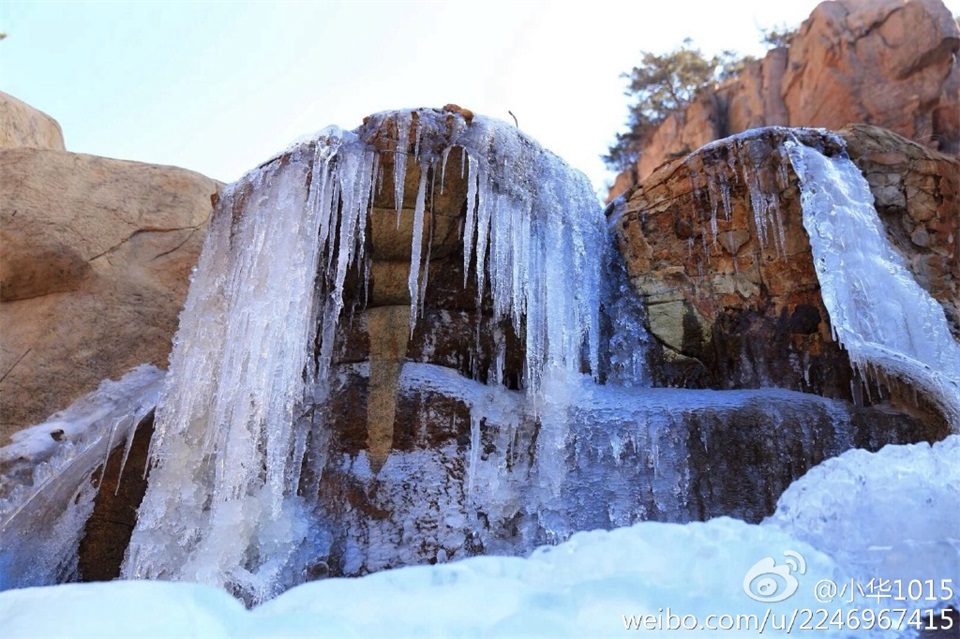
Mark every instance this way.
x=660 y=85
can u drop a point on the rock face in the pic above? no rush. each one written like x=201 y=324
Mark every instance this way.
x=732 y=296
x=425 y=446
x=890 y=63
x=94 y=269
x=23 y=126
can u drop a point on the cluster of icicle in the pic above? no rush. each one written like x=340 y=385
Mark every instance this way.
x=747 y=163
x=222 y=507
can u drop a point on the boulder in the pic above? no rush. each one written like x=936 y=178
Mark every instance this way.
x=732 y=298
x=23 y=126
x=95 y=265
x=882 y=63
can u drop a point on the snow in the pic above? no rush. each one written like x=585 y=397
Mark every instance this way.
x=121 y=610
x=583 y=587
x=890 y=515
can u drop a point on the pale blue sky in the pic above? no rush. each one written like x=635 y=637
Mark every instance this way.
x=218 y=87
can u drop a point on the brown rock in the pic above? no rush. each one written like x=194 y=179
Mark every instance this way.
x=23 y=126
x=94 y=270
x=683 y=132
x=881 y=63
x=121 y=486
x=738 y=299
x=754 y=98
x=731 y=294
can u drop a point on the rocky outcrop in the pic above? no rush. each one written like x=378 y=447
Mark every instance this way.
x=416 y=452
x=732 y=296
x=891 y=63
x=23 y=126
x=882 y=63
x=423 y=446
x=95 y=265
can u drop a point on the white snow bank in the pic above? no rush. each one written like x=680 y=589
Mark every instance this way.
x=889 y=515
x=584 y=587
x=121 y=610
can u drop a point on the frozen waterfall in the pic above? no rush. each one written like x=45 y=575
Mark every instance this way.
x=222 y=505
x=877 y=310
x=263 y=473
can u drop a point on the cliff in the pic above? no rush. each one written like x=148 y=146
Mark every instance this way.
x=888 y=63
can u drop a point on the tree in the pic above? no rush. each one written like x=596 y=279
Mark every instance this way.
x=660 y=85
x=778 y=36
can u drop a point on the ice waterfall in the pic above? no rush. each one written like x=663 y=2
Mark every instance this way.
x=257 y=333
x=288 y=264
x=877 y=310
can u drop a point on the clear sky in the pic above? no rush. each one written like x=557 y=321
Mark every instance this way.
x=219 y=86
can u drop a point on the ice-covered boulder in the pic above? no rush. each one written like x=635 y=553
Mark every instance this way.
x=715 y=243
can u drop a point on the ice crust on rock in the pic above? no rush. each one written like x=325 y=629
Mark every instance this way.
x=47 y=477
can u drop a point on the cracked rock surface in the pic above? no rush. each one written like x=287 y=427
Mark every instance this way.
x=93 y=272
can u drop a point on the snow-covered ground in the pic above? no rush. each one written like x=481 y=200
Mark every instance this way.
x=849 y=566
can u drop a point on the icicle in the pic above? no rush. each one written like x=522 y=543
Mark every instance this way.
x=416 y=247
x=473 y=179
x=484 y=212
x=443 y=166
x=426 y=264
x=137 y=419
x=106 y=455
x=400 y=159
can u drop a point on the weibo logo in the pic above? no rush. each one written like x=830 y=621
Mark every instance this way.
x=769 y=583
